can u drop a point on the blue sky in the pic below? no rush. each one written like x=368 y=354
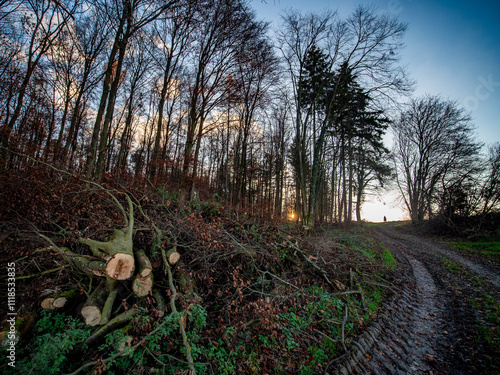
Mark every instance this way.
x=452 y=49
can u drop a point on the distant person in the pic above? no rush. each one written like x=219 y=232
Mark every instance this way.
x=385 y=219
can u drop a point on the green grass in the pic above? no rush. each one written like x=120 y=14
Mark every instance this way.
x=356 y=239
x=388 y=258
x=489 y=249
x=452 y=266
x=490 y=330
x=359 y=240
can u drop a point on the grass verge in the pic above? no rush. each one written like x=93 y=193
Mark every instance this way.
x=488 y=249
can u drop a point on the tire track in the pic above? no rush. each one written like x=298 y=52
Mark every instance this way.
x=409 y=336
x=442 y=251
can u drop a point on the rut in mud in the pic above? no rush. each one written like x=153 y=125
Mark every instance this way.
x=426 y=327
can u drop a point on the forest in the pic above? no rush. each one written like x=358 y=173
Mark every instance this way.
x=181 y=167
x=198 y=97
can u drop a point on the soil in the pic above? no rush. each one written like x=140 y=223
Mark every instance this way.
x=429 y=325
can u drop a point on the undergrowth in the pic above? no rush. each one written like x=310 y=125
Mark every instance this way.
x=52 y=347
x=257 y=302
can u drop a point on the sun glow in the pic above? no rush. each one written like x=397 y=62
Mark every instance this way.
x=376 y=210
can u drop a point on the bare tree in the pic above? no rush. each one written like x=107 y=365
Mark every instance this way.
x=225 y=26
x=254 y=75
x=44 y=20
x=172 y=37
x=128 y=18
x=490 y=191
x=433 y=143
x=89 y=37
x=137 y=65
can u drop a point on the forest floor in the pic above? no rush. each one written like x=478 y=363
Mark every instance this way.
x=249 y=295
x=444 y=317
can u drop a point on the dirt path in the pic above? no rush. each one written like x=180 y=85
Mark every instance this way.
x=428 y=326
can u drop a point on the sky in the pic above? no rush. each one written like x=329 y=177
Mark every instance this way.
x=452 y=49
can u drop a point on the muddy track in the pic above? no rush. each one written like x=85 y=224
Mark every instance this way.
x=426 y=327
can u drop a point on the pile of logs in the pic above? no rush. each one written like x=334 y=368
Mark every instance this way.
x=116 y=262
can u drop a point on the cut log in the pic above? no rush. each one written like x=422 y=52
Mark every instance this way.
x=92 y=309
x=120 y=266
x=143 y=262
x=91 y=315
x=47 y=303
x=59 y=302
x=143 y=285
x=118 y=250
x=173 y=256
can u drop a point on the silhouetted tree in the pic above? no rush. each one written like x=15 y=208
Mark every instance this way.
x=42 y=22
x=433 y=143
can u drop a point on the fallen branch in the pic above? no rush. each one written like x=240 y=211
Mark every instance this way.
x=174 y=311
x=143 y=282
x=41 y=273
x=160 y=302
x=250 y=253
x=112 y=288
x=328 y=337
x=118 y=250
x=112 y=324
x=343 y=327
x=306 y=258
x=143 y=263
x=85 y=264
x=283 y=281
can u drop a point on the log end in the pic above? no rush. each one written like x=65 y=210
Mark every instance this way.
x=173 y=258
x=121 y=266
x=142 y=285
x=47 y=304
x=59 y=302
x=91 y=315
x=145 y=272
